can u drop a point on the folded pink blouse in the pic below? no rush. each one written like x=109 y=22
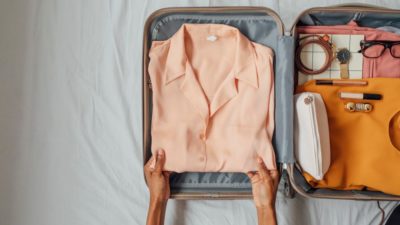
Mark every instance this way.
x=213 y=100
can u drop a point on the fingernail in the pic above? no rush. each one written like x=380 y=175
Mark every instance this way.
x=160 y=153
x=259 y=160
x=153 y=164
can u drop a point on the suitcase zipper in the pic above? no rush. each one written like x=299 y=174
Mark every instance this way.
x=309 y=100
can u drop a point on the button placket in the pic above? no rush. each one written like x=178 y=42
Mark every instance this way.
x=203 y=137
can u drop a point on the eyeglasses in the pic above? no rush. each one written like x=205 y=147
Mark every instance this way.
x=375 y=49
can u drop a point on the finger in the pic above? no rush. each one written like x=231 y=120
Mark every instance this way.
x=250 y=175
x=167 y=174
x=254 y=177
x=160 y=161
x=262 y=169
x=147 y=168
x=153 y=163
x=275 y=176
x=147 y=165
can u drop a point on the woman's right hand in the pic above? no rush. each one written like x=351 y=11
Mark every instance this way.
x=264 y=186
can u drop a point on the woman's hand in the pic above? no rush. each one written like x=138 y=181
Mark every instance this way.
x=264 y=186
x=157 y=179
x=158 y=184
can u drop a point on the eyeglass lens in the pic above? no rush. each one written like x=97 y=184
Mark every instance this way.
x=376 y=50
x=395 y=50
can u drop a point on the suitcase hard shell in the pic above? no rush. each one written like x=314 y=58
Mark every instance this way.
x=264 y=26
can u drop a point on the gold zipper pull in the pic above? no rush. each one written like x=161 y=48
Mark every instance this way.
x=358 y=107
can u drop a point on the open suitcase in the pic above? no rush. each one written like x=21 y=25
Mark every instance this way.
x=261 y=25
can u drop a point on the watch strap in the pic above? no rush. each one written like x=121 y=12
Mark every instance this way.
x=344 y=70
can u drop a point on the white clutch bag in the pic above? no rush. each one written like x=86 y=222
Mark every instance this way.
x=311 y=134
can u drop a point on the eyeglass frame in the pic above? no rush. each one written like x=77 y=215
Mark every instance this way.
x=386 y=44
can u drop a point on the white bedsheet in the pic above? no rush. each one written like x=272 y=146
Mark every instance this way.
x=70 y=120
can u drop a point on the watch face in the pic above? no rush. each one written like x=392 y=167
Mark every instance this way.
x=343 y=55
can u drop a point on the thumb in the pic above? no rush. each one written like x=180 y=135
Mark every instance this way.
x=160 y=161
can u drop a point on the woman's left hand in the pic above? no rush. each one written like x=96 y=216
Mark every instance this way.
x=157 y=179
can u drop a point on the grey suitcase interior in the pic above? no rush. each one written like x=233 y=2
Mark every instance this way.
x=263 y=26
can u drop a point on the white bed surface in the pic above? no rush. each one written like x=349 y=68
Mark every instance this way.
x=70 y=118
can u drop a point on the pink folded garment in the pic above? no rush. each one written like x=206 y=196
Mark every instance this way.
x=213 y=100
x=383 y=66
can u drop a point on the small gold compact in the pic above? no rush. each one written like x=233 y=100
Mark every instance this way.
x=358 y=107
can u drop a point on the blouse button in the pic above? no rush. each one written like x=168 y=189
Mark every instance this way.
x=203 y=137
